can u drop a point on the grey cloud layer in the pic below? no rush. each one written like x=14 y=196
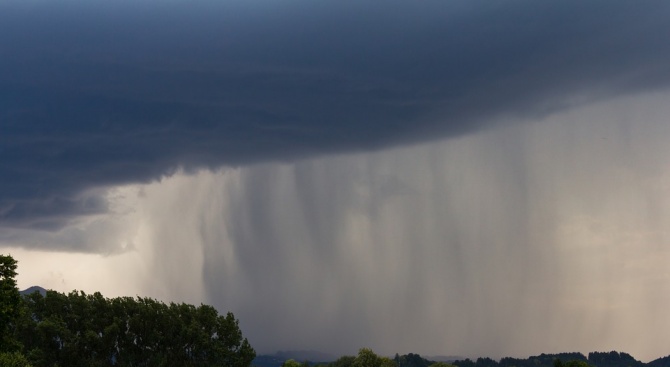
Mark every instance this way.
x=95 y=94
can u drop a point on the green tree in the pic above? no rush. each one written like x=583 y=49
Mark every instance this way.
x=387 y=362
x=13 y=360
x=79 y=329
x=412 y=360
x=575 y=363
x=10 y=302
x=344 y=361
x=367 y=358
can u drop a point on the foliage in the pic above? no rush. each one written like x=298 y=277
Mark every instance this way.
x=660 y=362
x=344 y=361
x=543 y=360
x=89 y=330
x=613 y=359
x=411 y=360
x=10 y=302
x=367 y=358
x=13 y=360
x=294 y=363
x=572 y=359
x=573 y=363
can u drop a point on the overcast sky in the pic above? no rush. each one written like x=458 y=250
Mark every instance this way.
x=475 y=178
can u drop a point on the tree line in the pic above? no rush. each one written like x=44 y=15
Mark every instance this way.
x=79 y=329
x=367 y=358
x=575 y=359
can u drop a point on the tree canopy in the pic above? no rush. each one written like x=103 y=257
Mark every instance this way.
x=79 y=329
x=10 y=302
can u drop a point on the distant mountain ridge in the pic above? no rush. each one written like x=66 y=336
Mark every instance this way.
x=32 y=290
x=278 y=358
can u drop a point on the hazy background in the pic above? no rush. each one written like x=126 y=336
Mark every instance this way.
x=458 y=178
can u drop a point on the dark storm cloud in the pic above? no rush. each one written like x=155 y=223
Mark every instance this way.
x=94 y=94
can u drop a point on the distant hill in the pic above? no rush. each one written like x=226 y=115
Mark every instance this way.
x=267 y=360
x=34 y=289
x=305 y=355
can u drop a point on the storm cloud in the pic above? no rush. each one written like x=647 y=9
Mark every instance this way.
x=100 y=94
x=464 y=177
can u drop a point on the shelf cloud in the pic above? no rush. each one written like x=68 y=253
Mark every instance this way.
x=96 y=95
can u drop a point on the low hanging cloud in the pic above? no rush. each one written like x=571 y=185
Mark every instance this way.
x=98 y=95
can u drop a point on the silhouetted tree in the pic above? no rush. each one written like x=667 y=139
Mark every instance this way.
x=89 y=330
x=10 y=303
